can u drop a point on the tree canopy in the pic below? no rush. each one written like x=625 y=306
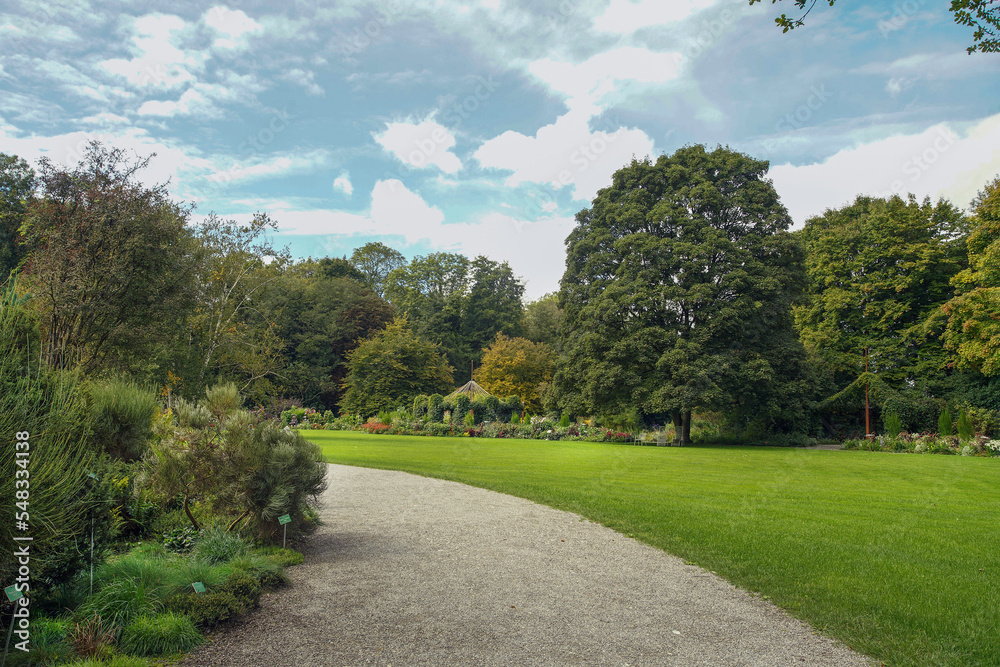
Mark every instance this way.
x=390 y=368
x=517 y=367
x=973 y=328
x=110 y=262
x=677 y=292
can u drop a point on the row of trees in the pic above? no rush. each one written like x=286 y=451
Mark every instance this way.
x=123 y=284
x=685 y=291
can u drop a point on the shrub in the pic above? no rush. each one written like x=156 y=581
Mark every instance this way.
x=964 y=426
x=206 y=610
x=217 y=546
x=244 y=587
x=945 y=423
x=121 y=418
x=420 y=406
x=893 y=424
x=461 y=404
x=191 y=415
x=161 y=634
x=435 y=411
x=564 y=420
x=266 y=571
x=222 y=400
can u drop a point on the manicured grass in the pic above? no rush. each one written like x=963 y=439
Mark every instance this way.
x=897 y=555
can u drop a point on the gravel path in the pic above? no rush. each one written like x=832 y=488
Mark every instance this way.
x=415 y=571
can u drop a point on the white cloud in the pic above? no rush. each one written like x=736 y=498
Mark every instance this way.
x=158 y=62
x=939 y=162
x=202 y=99
x=608 y=76
x=624 y=17
x=233 y=27
x=565 y=153
x=343 y=184
x=397 y=213
x=421 y=144
x=305 y=79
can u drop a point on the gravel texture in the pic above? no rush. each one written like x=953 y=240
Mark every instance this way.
x=415 y=571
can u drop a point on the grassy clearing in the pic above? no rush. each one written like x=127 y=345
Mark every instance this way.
x=894 y=554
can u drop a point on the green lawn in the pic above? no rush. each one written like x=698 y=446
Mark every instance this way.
x=897 y=555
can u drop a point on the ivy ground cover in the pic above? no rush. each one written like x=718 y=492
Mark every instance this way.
x=895 y=555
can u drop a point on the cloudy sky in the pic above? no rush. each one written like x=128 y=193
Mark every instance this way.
x=483 y=128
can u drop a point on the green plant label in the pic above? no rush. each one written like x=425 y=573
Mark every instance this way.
x=198 y=587
x=282 y=520
x=92 y=476
x=13 y=594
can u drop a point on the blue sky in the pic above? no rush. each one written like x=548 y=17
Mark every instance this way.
x=483 y=128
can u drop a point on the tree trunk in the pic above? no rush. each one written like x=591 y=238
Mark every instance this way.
x=686 y=418
x=678 y=427
x=187 y=510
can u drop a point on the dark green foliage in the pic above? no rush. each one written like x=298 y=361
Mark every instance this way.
x=49 y=645
x=964 y=426
x=494 y=409
x=17 y=184
x=494 y=304
x=121 y=418
x=49 y=407
x=435 y=411
x=893 y=424
x=244 y=587
x=677 y=294
x=208 y=609
x=878 y=269
x=460 y=406
x=161 y=634
x=420 y=406
x=390 y=367
x=480 y=412
x=320 y=318
x=111 y=262
x=916 y=412
x=945 y=424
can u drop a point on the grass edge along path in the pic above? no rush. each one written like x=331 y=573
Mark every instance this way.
x=893 y=554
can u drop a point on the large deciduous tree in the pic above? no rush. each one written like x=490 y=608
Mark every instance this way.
x=110 y=265
x=392 y=366
x=973 y=329
x=877 y=269
x=376 y=261
x=232 y=337
x=677 y=294
x=494 y=304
